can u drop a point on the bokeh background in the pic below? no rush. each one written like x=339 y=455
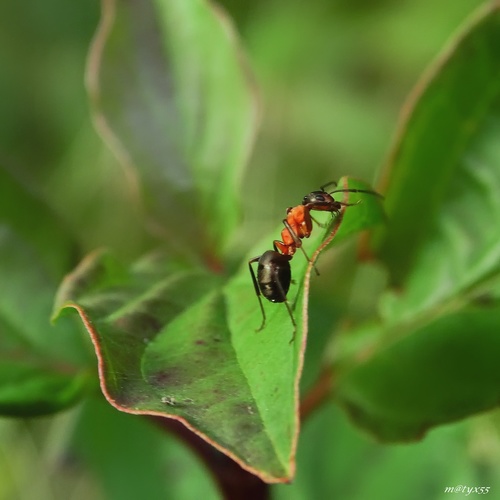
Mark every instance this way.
x=332 y=78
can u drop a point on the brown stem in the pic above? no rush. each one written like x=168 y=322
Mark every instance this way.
x=318 y=394
x=234 y=482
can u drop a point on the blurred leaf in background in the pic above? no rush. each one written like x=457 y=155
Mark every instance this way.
x=332 y=77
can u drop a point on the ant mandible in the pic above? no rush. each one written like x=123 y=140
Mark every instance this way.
x=273 y=272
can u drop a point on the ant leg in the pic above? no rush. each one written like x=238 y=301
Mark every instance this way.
x=289 y=309
x=257 y=290
x=298 y=243
x=293 y=321
x=318 y=223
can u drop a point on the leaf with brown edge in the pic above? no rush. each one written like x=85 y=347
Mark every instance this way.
x=181 y=344
x=164 y=348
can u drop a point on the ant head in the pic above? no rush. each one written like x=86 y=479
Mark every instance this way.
x=324 y=201
x=319 y=200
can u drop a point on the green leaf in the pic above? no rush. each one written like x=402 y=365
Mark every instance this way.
x=182 y=344
x=432 y=358
x=30 y=386
x=445 y=146
x=23 y=208
x=41 y=370
x=173 y=98
x=446 y=370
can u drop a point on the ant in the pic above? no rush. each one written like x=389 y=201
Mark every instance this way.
x=274 y=273
x=298 y=222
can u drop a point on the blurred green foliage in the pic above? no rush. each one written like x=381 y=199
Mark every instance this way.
x=332 y=78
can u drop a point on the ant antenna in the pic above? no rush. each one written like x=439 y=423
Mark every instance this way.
x=348 y=190
x=367 y=191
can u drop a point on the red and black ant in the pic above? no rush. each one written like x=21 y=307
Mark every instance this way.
x=274 y=273
x=298 y=222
